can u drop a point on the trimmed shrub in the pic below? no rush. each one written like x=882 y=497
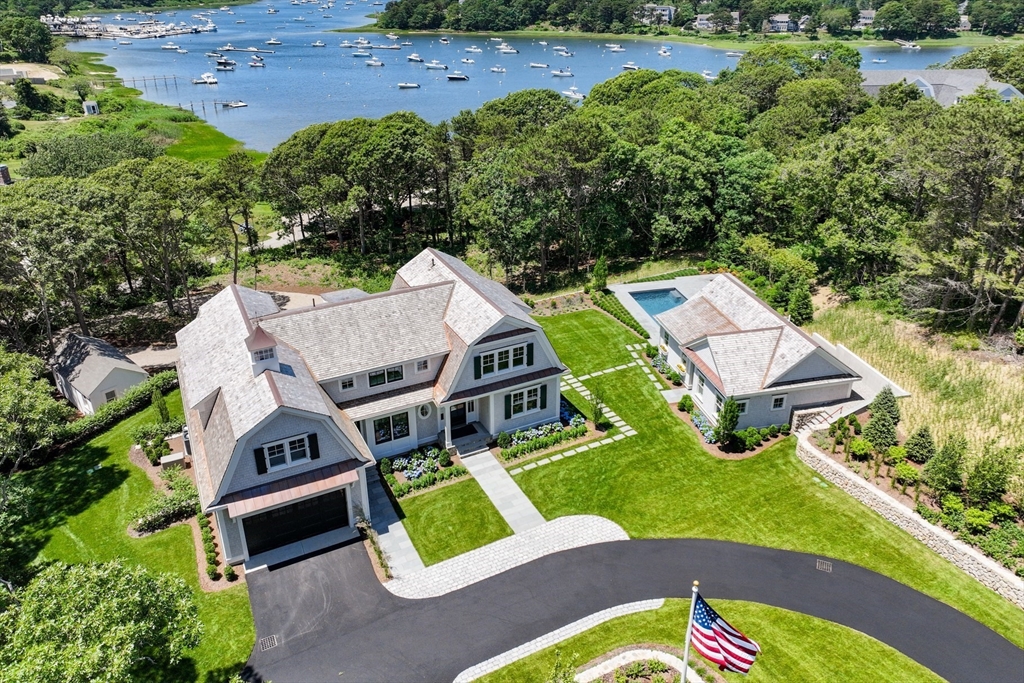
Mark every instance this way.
x=881 y=431
x=156 y=449
x=860 y=449
x=211 y=558
x=611 y=305
x=211 y=571
x=978 y=521
x=543 y=442
x=765 y=433
x=504 y=439
x=907 y=474
x=785 y=429
x=385 y=466
x=669 y=276
x=773 y=431
x=229 y=573
x=896 y=455
x=444 y=459
x=161 y=511
x=651 y=351
x=686 y=403
x=158 y=402
x=920 y=446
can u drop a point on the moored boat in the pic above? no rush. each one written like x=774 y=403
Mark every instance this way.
x=538 y=65
x=374 y=62
x=562 y=73
x=205 y=79
x=414 y=58
x=498 y=69
x=408 y=86
x=630 y=66
x=457 y=76
x=437 y=65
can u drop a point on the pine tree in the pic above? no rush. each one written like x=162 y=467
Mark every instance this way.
x=600 y=274
x=801 y=309
x=881 y=432
x=728 y=419
x=989 y=478
x=160 y=405
x=920 y=446
x=886 y=401
x=945 y=472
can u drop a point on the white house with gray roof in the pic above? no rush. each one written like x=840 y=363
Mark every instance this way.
x=287 y=409
x=725 y=341
x=90 y=373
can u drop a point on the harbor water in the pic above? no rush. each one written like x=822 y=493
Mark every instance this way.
x=301 y=84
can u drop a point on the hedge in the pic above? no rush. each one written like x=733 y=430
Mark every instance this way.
x=543 y=442
x=611 y=304
x=426 y=481
x=161 y=511
x=668 y=276
x=134 y=400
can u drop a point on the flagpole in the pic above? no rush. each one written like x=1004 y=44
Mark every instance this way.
x=689 y=632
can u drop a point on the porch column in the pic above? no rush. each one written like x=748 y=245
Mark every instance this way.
x=447 y=427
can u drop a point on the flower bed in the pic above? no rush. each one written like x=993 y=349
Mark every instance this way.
x=162 y=510
x=703 y=425
x=419 y=469
x=571 y=425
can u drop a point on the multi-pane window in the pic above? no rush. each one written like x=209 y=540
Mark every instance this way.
x=487 y=363
x=422 y=365
x=502 y=359
x=110 y=396
x=700 y=385
x=392 y=374
x=287 y=452
x=518 y=402
x=391 y=428
x=532 y=399
x=377 y=378
x=742 y=406
x=718 y=403
x=778 y=402
x=526 y=401
x=470 y=406
x=263 y=354
x=518 y=356
x=348 y=383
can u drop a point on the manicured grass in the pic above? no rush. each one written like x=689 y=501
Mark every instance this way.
x=950 y=391
x=452 y=520
x=83 y=517
x=587 y=341
x=794 y=647
x=201 y=141
x=770 y=500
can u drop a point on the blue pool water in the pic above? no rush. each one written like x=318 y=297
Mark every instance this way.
x=658 y=300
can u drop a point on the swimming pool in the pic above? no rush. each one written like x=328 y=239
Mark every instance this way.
x=657 y=301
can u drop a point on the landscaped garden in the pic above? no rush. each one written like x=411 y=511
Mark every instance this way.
x=795 y=647
x=83 y=505
x=452 y=520
x=771 y=499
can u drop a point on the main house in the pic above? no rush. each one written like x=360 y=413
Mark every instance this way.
x=726 y=342
x=287 y=410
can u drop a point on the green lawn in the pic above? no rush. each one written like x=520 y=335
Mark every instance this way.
x=661 y=483
x=201 y=141
x=588 y=341
x=452 y=520
x=795 y=647
x=82 y=517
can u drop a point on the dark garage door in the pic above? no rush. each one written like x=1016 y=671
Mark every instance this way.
x=295 y=522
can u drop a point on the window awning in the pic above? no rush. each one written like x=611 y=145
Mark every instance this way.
x=288 y=489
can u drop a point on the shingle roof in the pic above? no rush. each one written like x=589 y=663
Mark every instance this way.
x=86 y=361
x=752 y=345
x=366 y=333
x=947 y=85
x=343 y=295
x=368 y=406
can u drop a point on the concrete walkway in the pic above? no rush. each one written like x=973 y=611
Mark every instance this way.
x=564 y=533
x=511 y=502
x=393 y=538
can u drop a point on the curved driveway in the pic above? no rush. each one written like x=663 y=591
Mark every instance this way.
x=335 y=622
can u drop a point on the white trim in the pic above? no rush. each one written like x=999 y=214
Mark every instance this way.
x=426 y=365
x=511 y=359
x=350 y=380
x=525 y=392
x=391 y=427
x=743 y=404
x=419 y=410
x=286 y=444
x=785 y=400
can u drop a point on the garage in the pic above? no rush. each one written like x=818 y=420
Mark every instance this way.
x=296 y=522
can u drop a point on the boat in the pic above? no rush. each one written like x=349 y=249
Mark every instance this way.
x=225 y=67
x=537 y=65
x=117 y=17
x=406 y=43
x=362 y=41
x=226 y=62
x=181 y=51
x=664 y=53
x=319 y=43
x=271 y=10
x=205 y=79
x=457 y=76
x=616 y=49
x=125 y=42
x=562 y=73
x=708 y=75
x=328 y=16
x=879 y=61
x=408 y=86
x=256 y=64
x=391 y=36
x=733 y=54
x=240 y=21
x=506 y=50
x=444 y=41
x=225 y=8
x=361 y=53
x=299 y=19
x=214 y=54
x=630 y=66
x=468 y=61
x=237 y=104
x=473 y=48
x=543 y=42
x=907 y=44
x=498 y=69
x=573 y=93
x=437 y=65
x=273 y=41
x=345 y=45
x=394 y=46
x=560 y=47
x=496 y=39
x=374 y=62
x=414 y=58
x=612 y=45
x=170 y=46
x=227 y=48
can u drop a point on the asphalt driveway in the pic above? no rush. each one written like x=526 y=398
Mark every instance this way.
x=335 y=622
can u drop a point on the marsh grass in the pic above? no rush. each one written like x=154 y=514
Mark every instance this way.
x=951 y=391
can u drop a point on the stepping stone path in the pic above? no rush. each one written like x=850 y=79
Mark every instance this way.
x=571 y=382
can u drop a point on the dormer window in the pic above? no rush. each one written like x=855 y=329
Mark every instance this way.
x=262 y=354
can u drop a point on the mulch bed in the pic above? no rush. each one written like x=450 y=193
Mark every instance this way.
x=713 y=449
x=695 y=662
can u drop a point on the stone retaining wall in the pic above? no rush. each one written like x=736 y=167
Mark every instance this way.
x=982 y=568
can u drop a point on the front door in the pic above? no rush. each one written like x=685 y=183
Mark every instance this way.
x=458 y=415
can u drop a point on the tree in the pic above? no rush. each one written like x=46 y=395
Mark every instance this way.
x=233 y=188
x=945 y=472
x=160 y=404
x=920 y=446
x=989 y=478
x=728 y=420
x=721 y=20
x=836 y=20
x=29 y=38
x=880 y=431
x=895 y=21
x=801 y=308
x=109 y=621
x=897 y=95
x=564 y=669
x=80 y=86
x=885 y=402
x=77 y=156
x=599 y=278
x=6 y=129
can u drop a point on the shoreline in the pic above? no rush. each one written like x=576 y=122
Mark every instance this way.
x=970 y=40
x=171 y=7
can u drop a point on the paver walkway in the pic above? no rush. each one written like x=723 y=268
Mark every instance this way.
x=391 y=534
x=511 y=502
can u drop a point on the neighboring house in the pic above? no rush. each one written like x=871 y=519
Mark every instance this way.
x=90 y=108
x=865 y=19
x=655 y=14
x=945 y=86
x=89 y=372
x=725 y=341
x=965 y=23
x=781 y=23
x=288 y=409
x=703 y=21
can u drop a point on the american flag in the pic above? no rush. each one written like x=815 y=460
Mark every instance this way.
x=719 y=642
